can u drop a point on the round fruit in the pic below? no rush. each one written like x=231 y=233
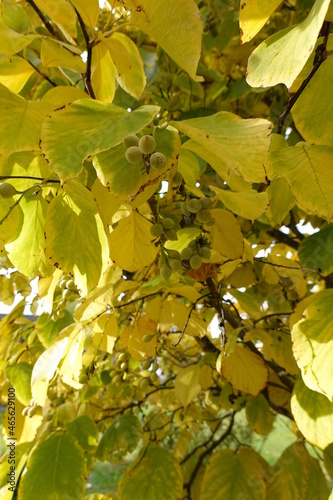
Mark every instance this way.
x=153 y=377
x=133 y=155
x=130 y=140
x=144 y=384
x=146 y=364
x=166 y=272
x=168 y=223
x=204 y=216
x=195 y=261
x=206 y=203
x=171 y=234
x=194 y=206
x=70 y=285
x=145 y=373
x=177 y=178
x=83 y=378
x=186 y=253
x=157 y=160
x=205 y=252
x=174 y=254
x=7 y=190
x=147 y=338
x=175 y=264
x=63 y=284
x=105 y=377
x=147 y=144
x=156 y=230
x=192 y=244
x=184 y=209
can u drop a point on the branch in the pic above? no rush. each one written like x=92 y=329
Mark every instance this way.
x=49 y=26
x=283 y=238
x=39 y=71
x=320 y=57
x=188 y=318
x=89 y=46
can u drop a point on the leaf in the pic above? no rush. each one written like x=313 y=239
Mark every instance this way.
x=54 y=55
x=88 y=10
x=12 y=42
x=226 y=235
x=253 y=15
x=84 y=429
x=188 y=166
x=62 y=13
x=259 y=415
x=121 y=437
x=45 y=368
x=95 y=127
x=154 y=474
x=59 y=96
x=248 y=204
x=71 y=364
x=12 y=222
x=176 y=27
x=103 y=73
x=279 y=206
x=26 y=252
x=21 y=456
x=231 y=475
x=245 y=371
x=82 y=248
x=312 y=342
x=137 y=249
x=307 y=171
x=55 y=469
x=20 y=128
x=242 y=145
x=316 y=251
x=106 y=332
x=313 y=109
x=187 y=385
x=15 y=72
x=131 y=338
x=313 y=414
x=19 y=376
x=25 y=427
x=273 y=62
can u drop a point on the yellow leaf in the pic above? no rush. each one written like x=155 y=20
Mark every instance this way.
x=53 y=55
x=106 y=332
x=12 y=42
x=71 y=364
x=226 y=235
x=259 y=415
x=103 y=73
x=15 y=72
x=136 y=249
x=62 y=13
x=187 y=385
x=248 y=204
x=25 y=427
x=253 y=14
x=88 y=10
x=131 y=338
x=59 y=96
x=245 y=371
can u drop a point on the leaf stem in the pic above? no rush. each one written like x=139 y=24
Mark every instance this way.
x=89 y=46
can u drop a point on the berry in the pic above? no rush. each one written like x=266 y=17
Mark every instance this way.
x=157 y=160
x=168 y=223
x=147 y=338
x=156 y=230
x=204 y=216
x=194 y=206
x=130 y=140
x=171 y=234
x=195 y=261
x=166 y=272
x=175 y=264
x=206 y=203
x=186 y=253
x=7 y=190
x=205 y=252
x=174 y=254
x=133 y=155
x=147 y=144
x=177 y=178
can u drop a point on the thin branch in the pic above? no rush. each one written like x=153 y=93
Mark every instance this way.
x=188 y=318
x=320 y=57
x=2 y=177
x=89 y=46
x=264 y=318
x=49 y=26
x=283 y=238
x=39 y=71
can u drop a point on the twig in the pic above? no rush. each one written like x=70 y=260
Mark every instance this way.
x=38 y=71
x=218 y=306
x=264 y=318
x=12 y=208
x=89 y=46
x=320 y=57
x=283 y=238
x=49 y=26
x=188 y=318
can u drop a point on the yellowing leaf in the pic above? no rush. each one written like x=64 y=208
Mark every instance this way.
x=187 y=385
x=241 y=145
x=313 y=342
x=259 y=415
x=248 y=204
x=313 y=414
x=226 y=235
x=25 y=427
x=103 y=73
x=106 y=332
x=12 y=42
x=75 y=236
x=253 y=14
x=282 y=56
x=119 y=53
x=62 y=13
x=279 y=206
x=245 y=371
x=71 y=364
x=54 y=55
x=176 y=27
x=15 y=72
x=131 y=338
x=307 y=169
x=59 y=96
x=10 y=227
x=120 y=438
x=88 y=10
x=136 y=249
x=316 y=251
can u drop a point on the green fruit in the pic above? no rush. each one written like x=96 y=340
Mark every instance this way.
x=194 y=206
x=184 y=209
x=63 y=284
x=147 y=144
x=123 y=366
x=168 y=223
x=83 y=378
x=122 y=356
x=146 y=364
x=192 y=244
x=174 y=254
x=195 y=261
x=105 y=377
x=133 y=155
x=204 y=216
x=171 y=234
x=156 y=230
x=186 y=253
x=144 y=384
x=157 y=160
x=116 y=379
x=206 y=203
x=175 y=264
x=71 y=285
x=31 y=411
x=147 y=338
x=166 y=272
x=155 y=366
x=118 y=365
x=153 y=377
x=130 y=140
x=205 y=252
x=161 y=261
x=7 y=190
x=177 y=178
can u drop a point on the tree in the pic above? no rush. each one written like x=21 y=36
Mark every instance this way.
x=160 y=173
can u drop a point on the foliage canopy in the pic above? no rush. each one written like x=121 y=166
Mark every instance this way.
x=186 y=286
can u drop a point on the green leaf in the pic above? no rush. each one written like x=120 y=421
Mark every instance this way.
x=226 y=235
x=273 y=62
x=188 y=166
x=231 y=475
x=313 y=343
x=137 y=249
x=122 y=437
x=15 y=72
x=20 y=129
x=187 y=385
x=241 y=145
x=55 y=469
x=84 y=429
x=95 y=127
x=259 y=415
x=316 y=251
x=253 y=15
x=26 y=252
x=19 y=376
x=155 y=474
x=176 y=27
x=248 y=204
x=313 y=109
x=313 y=414
x=75 y=236
x=307 y=170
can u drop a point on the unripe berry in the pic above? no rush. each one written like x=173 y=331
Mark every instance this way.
x=147 y=144
x=186 y=253
x=171 y=234
x=7 y=190
x=130 y=140
x=174 y=254
x=157 y=160
x=205 y=252
x=133 y=155
x=194 y=206
x=168 y=223
x=165 y=272
x=175 y=264
x=206 y=203
x=195 y=261
x=156 y=230
x=204 y=216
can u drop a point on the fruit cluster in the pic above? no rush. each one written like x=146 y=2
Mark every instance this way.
x=191 y=256
x=68 y=294
x=143 y=150
x=166 y=226
x=197 y=210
